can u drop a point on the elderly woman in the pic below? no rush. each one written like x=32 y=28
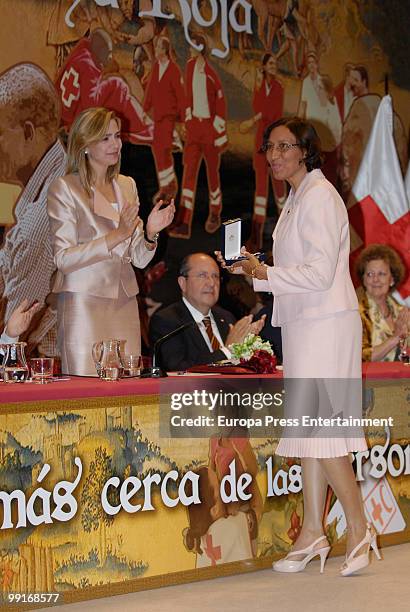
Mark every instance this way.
x=385 y=322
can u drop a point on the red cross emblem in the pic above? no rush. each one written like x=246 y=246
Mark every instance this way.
x=70 y=87
x=377 y=506
x=212 y=552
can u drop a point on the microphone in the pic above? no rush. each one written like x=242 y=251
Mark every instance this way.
x=156 y=371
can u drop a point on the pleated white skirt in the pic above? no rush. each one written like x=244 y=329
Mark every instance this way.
x=326 y=348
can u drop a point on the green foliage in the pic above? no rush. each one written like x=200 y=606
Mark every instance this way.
x=92 y=511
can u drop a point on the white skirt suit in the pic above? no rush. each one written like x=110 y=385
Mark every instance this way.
x=96 y=287
x=315 y=305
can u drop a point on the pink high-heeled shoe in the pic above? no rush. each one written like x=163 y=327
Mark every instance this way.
x=353 y=564
x=292 y=565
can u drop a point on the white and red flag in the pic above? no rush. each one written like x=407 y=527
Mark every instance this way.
x=380 y=212
x=407 y=183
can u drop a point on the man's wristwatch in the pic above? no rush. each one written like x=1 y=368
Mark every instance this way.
x=152 y=240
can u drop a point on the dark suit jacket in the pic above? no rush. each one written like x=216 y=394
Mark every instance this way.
x=188 y=348
x=270 y=333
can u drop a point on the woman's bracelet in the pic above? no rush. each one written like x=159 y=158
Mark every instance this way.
x=153 y=240
x=253 y=271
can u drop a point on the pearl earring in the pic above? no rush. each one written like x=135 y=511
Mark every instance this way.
x=86 y=152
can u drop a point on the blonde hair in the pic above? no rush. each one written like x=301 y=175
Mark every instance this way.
x=89 y=127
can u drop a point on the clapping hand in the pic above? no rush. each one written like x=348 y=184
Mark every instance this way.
x=239 y=331
x=243 y=327
x=129 y=220
x=402 y=323
x=20 y=318
x=159 y=218
x=256 y=326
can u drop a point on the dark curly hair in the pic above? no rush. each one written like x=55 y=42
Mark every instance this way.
x=386 y=254
x=306 y=137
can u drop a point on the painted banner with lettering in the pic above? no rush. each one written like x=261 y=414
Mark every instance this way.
x=95 y=496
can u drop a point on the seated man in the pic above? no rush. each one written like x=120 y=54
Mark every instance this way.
x=212 y=328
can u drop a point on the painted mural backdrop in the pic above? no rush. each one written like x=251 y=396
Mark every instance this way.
x=195 y=84
x=96 y=496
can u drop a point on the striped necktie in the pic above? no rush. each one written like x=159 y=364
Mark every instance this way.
x=212 y=338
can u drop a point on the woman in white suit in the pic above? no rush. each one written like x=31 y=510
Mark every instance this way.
x=97 y=234
x=316 y=307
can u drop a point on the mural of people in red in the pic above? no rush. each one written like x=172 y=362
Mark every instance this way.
x=165 y=98
x=268 y=106
x=87 y=79
x=205 y=124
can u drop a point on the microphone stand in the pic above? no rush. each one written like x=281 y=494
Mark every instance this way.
x=155 y=371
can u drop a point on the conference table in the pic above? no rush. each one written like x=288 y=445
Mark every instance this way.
x=97 y=498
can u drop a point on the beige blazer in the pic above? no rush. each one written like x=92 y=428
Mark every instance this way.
x=311 y=244
x=78 y=226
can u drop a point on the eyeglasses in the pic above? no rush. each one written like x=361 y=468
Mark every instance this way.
x=281 y=147
x=204 y=276
x=381 y=275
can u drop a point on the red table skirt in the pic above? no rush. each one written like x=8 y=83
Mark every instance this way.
x=79 y=388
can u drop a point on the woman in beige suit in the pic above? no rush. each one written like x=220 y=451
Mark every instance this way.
x=97 y=234
x=316 y=307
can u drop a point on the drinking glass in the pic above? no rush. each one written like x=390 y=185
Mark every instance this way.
x=2 y=355
x=132 y=365
x=42 y=369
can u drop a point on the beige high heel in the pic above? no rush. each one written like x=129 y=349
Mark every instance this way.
x=292 y=565
x=353 y=564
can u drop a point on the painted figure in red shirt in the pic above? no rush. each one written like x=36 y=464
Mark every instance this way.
x=268 y=107
x=205 y=123
x=165 y=98
x=87 y=80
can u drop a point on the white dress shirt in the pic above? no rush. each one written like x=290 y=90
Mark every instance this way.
x=200 y=96
x=5 y=339
x=198 y=318
x=162 y=68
